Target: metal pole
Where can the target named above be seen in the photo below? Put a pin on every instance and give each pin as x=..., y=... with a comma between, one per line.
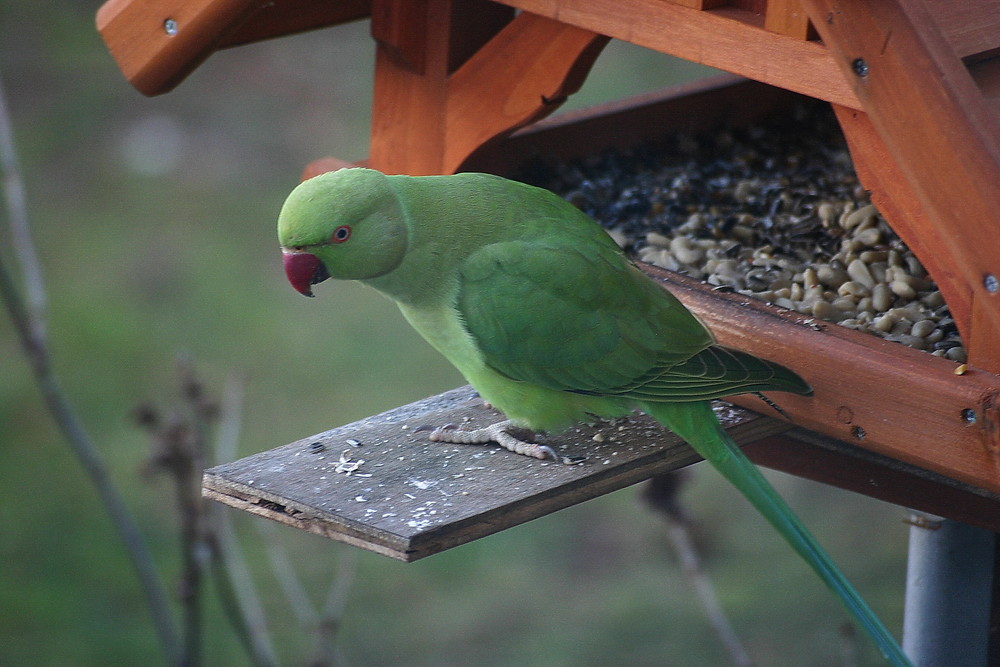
x=949, y=579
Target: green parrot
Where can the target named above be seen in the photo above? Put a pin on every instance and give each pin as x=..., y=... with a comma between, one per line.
x=545, y=316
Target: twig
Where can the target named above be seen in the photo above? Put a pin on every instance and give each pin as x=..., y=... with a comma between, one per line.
x=237, y=593
x=333, y=611
x=233, y=581
x=17, y=211
x=662, y=495
x=325, y=622
x=29, y=322
x=179, y=450
x=207, y=539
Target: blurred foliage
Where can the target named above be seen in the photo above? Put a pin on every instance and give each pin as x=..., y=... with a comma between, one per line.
x=154, y=219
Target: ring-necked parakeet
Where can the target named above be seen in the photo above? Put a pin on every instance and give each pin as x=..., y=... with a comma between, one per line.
x=545, y=317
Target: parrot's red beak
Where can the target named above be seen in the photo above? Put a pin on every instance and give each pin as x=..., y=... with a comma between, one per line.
x=304, y=271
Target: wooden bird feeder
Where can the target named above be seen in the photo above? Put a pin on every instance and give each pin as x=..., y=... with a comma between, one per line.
x=462, y=84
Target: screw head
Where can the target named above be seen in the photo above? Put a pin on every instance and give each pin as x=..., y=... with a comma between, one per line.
x=170, y=27
x=969, y=416
x=991, y=283
x=860, y=66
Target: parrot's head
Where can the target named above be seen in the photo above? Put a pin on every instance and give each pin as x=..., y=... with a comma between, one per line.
x=344, y=224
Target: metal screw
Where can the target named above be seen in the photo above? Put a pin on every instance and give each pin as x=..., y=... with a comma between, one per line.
x=991, y=283
x=858, y=433
x=170, y=27
x=860, y=66
x=969, y=415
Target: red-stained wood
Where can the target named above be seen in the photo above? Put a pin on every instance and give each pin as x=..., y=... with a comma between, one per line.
x=986, y=74
x=155, y=60
x=524, y=74
x=694, y=107
x=972, y=27
x=891, y=193
x=885, y=397
x=941, y=134
x=413, y=62
x=786, y=17
x=728, y=38
x=277, y=18
x=806, y=454
x=429, y=112
x=699, y=4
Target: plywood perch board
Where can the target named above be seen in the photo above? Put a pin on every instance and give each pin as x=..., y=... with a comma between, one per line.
x=381, y=485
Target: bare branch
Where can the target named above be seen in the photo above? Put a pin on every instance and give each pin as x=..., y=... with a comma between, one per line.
x=17, y=211
x=662, y=494
x=235, y=586
x=29, y=322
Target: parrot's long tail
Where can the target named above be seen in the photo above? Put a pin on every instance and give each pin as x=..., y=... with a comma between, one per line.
x=697, y=424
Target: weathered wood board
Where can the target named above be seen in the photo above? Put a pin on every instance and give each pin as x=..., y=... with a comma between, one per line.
x=382, y=485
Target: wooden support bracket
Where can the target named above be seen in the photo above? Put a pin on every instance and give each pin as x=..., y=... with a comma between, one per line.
x=890, y=399
x=944, y=140
x=729, y=38
x=157, y=43
x=432, y=109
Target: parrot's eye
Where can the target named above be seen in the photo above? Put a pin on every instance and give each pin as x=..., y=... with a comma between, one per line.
x=341, y=234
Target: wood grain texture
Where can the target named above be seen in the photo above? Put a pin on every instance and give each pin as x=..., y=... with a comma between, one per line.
x=812, y=456
x=427, y=117
x=728, y=38
x=152, y=59
x=525, y=73
x=278, y=18
x=972, y=27
x=155, y=62
x=786, y=17
x=411, y=498
x=890, y=399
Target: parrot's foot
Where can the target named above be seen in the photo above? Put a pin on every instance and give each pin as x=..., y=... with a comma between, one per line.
x=500, y=433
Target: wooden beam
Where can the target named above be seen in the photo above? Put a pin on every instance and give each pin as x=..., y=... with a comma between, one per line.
x=524, y=74
x=728, y=38
x=278, y=18
x=972, y=27
x=157, y=43
x=694, y=107
x=899, y=402
x=786, y=17
x=812, y=456
x=430, y=112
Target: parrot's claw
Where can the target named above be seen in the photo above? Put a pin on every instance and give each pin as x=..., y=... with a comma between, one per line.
x=499, y=433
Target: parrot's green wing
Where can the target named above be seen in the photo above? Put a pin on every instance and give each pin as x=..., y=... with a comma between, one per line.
x=580, y=317
x=715, y=372
x=574, y=317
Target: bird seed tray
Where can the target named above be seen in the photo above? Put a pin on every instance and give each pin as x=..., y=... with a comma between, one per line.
x=382, y=485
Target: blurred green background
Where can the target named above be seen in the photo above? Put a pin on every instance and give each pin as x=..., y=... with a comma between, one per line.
x=154, y=219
